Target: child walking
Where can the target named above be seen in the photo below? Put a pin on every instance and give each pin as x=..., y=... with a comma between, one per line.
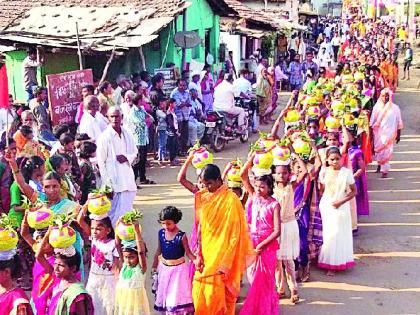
x=172, y=132
x=104, y=262
x=68, y=295
x=130, y=294
x=173, y=294
x=162, y=126
x=263, y=216
x=338, y=188
x=289, y=236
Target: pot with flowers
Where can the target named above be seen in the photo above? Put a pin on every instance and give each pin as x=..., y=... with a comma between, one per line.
x=302, y=144
x=267, y=141
x=98, y=202
x=8, y=236
x=281, y=152
x=125, y=226
x=333, y=123
x=62, y=235
x=234, y=174
x=263, y=159
x=39, y=215
x=202, y=156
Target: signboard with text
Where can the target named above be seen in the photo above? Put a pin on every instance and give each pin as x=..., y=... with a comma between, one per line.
x=64, y=94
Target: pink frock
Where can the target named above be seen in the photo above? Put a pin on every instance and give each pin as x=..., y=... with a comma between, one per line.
x=262, y=297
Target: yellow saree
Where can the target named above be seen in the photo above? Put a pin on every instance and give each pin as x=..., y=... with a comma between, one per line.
x=225, y=245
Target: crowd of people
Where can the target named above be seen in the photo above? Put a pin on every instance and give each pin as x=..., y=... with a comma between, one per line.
x=302, y=188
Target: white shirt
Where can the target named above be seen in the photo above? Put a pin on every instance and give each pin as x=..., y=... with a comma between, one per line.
x=197, y=87
x=327, y=31
x=280, y=75
x=91, y=125
x=119, y=176
x=242, y=85
x=6, y=120
x=117, y=97
x=327, y=46
x=125, y=108
x=224, y=96
x=335, y=41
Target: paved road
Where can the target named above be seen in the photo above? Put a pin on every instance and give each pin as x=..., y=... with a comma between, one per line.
x=386, y=279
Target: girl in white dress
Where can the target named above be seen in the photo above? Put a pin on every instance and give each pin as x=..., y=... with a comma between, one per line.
x=289, y=237
x=338, y=188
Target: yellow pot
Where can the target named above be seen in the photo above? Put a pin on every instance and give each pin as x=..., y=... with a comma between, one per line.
x=201, y=158
x=126, y=231
x=40, y=218
x=99, y=204
x=62, y=237
x=263, y=159
x=8, y=239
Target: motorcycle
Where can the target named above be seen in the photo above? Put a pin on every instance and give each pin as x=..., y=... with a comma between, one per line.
x=222, y=127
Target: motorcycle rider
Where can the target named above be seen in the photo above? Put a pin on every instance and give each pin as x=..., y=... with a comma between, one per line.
x=242, y=86
x=224, y=100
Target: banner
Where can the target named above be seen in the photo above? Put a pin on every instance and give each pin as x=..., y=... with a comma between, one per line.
x=4, y=87
x=64, y=94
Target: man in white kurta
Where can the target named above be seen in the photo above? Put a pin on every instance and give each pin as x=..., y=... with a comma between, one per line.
x=91, y=124
x=115, y=153
x=386, y=124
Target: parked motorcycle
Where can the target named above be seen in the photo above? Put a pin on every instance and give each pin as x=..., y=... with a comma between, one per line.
x=222, y=127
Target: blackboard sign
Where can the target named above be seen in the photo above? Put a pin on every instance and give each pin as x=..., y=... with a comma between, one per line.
x=64, y=94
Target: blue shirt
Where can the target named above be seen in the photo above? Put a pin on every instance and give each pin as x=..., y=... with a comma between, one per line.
x=138, y=121
x=295, y=70
x=182, y=114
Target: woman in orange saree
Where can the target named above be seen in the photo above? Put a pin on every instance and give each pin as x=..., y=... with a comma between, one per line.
x=224, y=246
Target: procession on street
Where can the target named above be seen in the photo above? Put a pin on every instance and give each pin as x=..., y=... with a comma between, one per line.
x=76, y=148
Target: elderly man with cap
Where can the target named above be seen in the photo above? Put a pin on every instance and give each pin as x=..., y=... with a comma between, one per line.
x=195, y=84
x=116, y=152
x=224, y=100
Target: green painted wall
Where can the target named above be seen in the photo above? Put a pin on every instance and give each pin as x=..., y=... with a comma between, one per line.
x=55, y=63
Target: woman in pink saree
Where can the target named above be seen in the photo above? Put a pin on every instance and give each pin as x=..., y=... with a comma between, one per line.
x=263, y=216
x=386, y=123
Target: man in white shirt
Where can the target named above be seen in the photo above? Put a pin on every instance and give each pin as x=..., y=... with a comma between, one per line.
x=116, y=152
x=30, y=64
x=224, y=100
x=335, y=42
x=195, y=84
x=126, y=106
x=91, y=124
x=242, y=86
x=327, y=31
x=7, y=116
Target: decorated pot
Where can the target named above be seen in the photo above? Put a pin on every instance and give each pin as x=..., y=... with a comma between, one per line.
x=332, y=123
x=126, y=231
x=281, y=153
x=292, y=116
x=201, y=158
x=263, y=159
x=349, y=119
x=40, y=218
x=337, y=105
x=99, y=204
x=8, y=239
x=359, y=76
x=313, y=111
x=62, y=237
x=353, y=103
x=234, y=174
x=301, y=147
x=268, y=142
x=347, y=78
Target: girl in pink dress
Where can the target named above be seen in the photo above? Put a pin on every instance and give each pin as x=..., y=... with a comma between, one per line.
x=13, y=300
x=263, y=216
